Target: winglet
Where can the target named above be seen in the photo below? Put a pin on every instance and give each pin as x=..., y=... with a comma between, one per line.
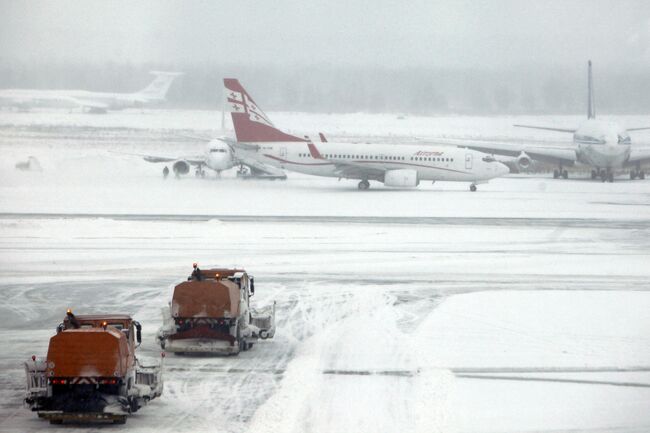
x=322, y=137
x=314, y=152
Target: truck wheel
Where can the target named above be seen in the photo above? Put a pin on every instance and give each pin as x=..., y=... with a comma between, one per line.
x=120, y=421
x=56, y=421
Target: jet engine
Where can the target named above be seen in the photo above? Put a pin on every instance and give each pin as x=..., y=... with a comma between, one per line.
x=181, y=167
x=401, y=178
x=523, y=161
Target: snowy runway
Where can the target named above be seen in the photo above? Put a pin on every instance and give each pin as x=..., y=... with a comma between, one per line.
x=522, y=307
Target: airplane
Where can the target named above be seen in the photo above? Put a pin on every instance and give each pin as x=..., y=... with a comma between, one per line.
x=401, y=166
x=218, y=156
x=604, y=146
x=95, y=102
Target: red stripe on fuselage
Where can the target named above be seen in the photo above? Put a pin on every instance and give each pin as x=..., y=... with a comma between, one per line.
x=365, y=162
x=296, y=163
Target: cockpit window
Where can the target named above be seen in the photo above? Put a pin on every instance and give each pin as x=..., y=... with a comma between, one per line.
x=624, y=139
x=586, y=139
x=218, y=150
x=489, y=158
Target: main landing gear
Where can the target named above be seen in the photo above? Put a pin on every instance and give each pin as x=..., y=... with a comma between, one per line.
x=637, y=173
x=472, y=187
x=363, y=185
x=199, y=172
x=560, y=173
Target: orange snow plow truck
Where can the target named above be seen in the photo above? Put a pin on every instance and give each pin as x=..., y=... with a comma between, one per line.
x=91, y=372
x=211, y=313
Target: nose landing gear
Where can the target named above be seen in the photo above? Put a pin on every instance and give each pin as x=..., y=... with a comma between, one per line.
x=607, y=175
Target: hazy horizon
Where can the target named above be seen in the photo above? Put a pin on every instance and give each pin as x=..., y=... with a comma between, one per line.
x=443, y=57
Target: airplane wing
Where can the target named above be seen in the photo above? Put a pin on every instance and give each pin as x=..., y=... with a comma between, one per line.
x=192, y=160
x=546, y=128
x=565, y=155
x=95, y=105
x=639, y=155
x=259, y=169
x=349, y=169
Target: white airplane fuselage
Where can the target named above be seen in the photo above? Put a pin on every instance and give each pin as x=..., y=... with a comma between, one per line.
x=114, y=101
x=603, y=145
x=95, y=101
x=431, y=163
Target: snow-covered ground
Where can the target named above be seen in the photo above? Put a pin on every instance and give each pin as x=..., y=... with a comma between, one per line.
x=521, y=307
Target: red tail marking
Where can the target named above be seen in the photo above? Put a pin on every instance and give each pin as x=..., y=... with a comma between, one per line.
x=314, y=152
x=251, y=125
x=322, y=137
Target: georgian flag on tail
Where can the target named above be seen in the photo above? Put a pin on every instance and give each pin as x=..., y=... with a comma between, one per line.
x=241, y=102
x=250, y=123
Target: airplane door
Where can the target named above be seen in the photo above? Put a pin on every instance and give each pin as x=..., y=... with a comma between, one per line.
x=283, y=152
x=468, y=161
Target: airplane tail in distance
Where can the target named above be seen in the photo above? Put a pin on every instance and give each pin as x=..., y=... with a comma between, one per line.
x=158, y=88
x=248, y=119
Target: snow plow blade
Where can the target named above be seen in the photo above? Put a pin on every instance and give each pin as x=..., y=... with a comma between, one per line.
x=263, y=322
x=202, y=345
x=82, y=417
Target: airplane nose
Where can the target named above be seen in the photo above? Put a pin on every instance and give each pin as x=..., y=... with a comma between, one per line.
x=218, y=161
x=502, y=169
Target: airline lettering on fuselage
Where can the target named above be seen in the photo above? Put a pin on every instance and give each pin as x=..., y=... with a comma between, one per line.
x=423, y=153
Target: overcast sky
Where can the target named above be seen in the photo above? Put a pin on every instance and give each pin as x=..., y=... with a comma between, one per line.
x=401, y=33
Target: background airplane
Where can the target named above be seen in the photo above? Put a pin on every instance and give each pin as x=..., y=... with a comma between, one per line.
x=602, y=145
x=95, y=102
x=218, y=156
x=393, y=165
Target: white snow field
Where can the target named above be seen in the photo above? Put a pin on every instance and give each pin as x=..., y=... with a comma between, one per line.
x=522, y=307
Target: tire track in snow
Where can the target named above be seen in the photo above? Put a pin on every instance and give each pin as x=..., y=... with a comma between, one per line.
x=375, y=334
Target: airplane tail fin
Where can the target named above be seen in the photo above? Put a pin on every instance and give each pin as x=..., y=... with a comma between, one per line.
x=158, y=88
x=591, y=102
x=248, y=119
